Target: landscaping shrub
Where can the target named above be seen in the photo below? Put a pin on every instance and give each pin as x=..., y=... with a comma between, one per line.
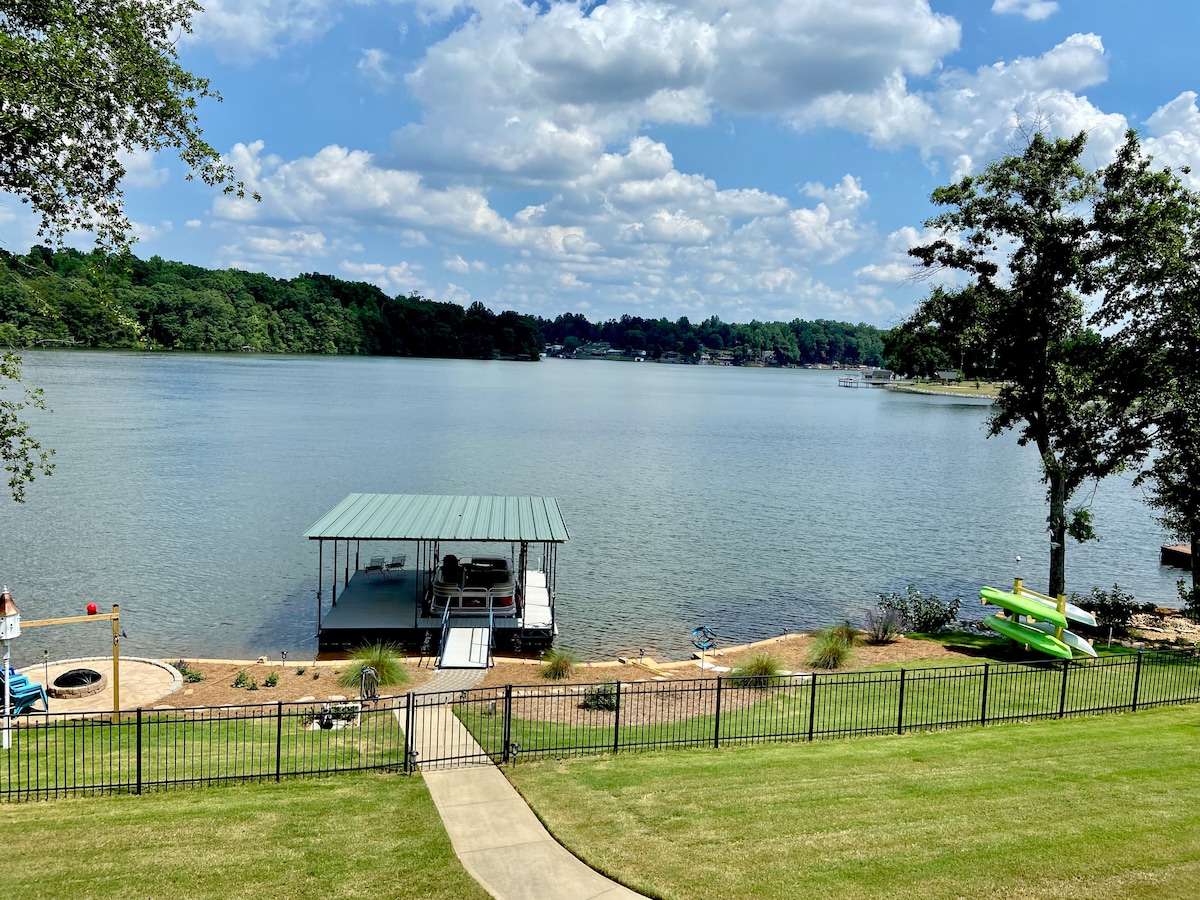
x=829, y=649
x=558, y=665
x=846, y=633
x=602, y=697
x=920, y=613
x=271, y=680
x=241, y=679
x=1112, y=609
x=760, y=671
x=883, y=626
x=190, y=675
x=386, y=659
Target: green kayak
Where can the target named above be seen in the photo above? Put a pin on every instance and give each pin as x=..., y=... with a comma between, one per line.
x=1023, y=634
x=1023, y=606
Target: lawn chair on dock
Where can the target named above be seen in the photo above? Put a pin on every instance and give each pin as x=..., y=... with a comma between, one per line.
x=397, y=563
x=375, y=565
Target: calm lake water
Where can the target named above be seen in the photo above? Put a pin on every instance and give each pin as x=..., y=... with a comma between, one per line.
x=751, y=500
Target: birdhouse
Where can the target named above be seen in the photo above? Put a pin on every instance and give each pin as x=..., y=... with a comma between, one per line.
x=10, y=617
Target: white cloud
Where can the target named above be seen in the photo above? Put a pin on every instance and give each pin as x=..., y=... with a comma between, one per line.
x=463, y=267
x=140, y=170
x=1174, y=136
x=373, y=65
x=973, y=117
x=1034, y=10
x=193, y=223
x=397, y=278
x=146, y=232
x=244, y=31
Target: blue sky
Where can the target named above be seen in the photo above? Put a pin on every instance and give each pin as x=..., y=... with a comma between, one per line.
x=769, y=159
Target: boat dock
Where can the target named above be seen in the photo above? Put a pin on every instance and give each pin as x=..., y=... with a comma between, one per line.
x=1177, y=555
x=414, y=600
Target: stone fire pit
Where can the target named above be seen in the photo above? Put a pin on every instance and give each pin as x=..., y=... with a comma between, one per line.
x=77, y=683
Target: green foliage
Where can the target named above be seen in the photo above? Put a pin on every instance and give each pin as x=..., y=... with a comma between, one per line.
x=300, y=670
x=271, y=680
x=602, y=697
x=884, y=626
x=558, y=664
x=1113, y=609
x=830, y=649
x=1025, y=234
x=386, y=659
x=920, y=613
x=760, y=671
x=190, y=675
x=23, y=456
x=253, y=685
x=93, y=300
x=241, y=680
x=85, y=81
x=847, y=633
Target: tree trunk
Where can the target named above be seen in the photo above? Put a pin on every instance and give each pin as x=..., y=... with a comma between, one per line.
x=1194, y=605
x=1058, y=533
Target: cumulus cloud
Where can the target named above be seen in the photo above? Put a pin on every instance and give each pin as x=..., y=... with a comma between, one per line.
x=1174, y=135
x=397, y=278
x=565, y=81
x=140, y=170
x=243, y=31
x=972, y=117
x=1034, y=10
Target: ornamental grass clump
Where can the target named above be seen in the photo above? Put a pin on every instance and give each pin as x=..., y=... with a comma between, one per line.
x=883, y=626
x=830, y=649
x=760, y=671
x=558, y=665
x=386, y=659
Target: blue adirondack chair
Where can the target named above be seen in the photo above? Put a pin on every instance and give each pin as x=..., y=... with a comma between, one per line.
x=23, y=694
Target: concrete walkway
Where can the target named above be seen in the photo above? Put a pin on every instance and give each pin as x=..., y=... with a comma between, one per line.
x=496, y=835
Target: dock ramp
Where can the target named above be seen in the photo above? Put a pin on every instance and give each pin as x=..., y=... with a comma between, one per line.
x=467, y=646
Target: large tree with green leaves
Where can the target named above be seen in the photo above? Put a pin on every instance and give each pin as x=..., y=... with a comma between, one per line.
x=1024, y=235
x=83, y=81
x=1151, y=282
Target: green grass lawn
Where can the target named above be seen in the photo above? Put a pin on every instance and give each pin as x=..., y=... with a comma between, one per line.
x=1102, y=806
x=352, y=836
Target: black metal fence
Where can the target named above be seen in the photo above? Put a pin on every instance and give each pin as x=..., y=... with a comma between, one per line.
x=54, y=755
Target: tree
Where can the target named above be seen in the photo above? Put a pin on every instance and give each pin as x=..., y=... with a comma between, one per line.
x=1152, y=300
x=23, y=456
x=83, y=81
x=1023, y=233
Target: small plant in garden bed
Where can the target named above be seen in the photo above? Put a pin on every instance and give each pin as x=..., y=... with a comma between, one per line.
x=558, y=665
x=271, y=680
x=883, y=626
x=602, y=697
x=386, y=659
x=829, y=649
x=241, y=679
x=190, y=675
x=253, y=685
x=920, y=613
x=300, y=670
x=760, y=671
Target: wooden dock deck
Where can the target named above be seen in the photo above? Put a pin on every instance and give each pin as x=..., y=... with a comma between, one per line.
x=1177, y=555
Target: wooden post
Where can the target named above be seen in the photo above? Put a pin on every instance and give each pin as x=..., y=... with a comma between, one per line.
x=116, y=623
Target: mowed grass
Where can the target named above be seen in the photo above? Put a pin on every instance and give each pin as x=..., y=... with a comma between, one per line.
x=1102, y=806
x=353, y=836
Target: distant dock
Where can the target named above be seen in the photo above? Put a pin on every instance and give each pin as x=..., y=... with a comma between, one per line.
x=1177, y=555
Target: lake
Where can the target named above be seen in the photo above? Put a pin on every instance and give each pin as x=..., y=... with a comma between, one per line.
x=750, y=500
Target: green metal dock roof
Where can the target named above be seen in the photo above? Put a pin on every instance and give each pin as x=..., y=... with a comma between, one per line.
x=423, y=517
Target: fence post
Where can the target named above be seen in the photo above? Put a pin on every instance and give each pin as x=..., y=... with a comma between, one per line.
x=279, y=737
x=900, y=705
x=139, y=750
x=717, y=723
x=409, y=743
x=983, y=705
x=1137, y=679
x=617, y=721
x=1062, y=695
x=507, y=721
x=812, y=704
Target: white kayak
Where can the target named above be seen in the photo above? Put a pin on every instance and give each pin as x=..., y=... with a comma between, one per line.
x=1072, y=612
x=1072, y=640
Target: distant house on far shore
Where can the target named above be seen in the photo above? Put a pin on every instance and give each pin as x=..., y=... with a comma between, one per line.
x=952, y=375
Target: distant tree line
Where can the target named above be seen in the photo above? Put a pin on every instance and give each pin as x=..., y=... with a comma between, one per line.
x=96, y=300
x=796, y=342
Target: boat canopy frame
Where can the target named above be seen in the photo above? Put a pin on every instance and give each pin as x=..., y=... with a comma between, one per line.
x=429, y=519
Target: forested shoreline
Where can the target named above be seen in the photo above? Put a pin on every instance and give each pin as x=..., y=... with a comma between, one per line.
x=69, y=298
